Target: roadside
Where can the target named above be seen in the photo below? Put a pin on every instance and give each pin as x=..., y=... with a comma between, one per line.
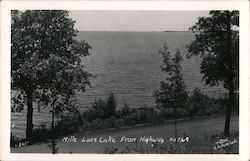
x=192, y=128
x=171, y=121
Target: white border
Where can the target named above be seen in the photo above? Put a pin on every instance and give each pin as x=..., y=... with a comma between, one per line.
x=6, y=6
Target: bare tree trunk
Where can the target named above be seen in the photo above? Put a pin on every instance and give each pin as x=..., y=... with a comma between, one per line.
x=230, y=77
x=29, y=123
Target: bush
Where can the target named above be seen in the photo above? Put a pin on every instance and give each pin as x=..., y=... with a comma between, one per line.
x=130, y=120
x=147, y=115
x=124, y=111
x=16, y=141
x=69, y=122
x=200, y=104
x=101, y=109
x=128, y=117
x=166, y=113
x=67, y=126
x=41, y=134
x=169, y=114
x=110, y=106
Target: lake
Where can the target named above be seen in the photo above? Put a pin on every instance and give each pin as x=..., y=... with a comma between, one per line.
x=128, y=65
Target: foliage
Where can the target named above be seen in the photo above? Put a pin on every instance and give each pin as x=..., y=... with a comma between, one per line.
x=211, y=44
x=200, y=104
x=41, y=134
x=16, y=141
x=110, y=105
x=45, y=61
x=74, y=121
x=218, y=45
x=102, y=109
x=133, y=117
x=124, y=111
x=69, y=122
x=172, y=93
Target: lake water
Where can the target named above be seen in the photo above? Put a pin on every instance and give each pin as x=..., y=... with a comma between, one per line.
x=127, y=64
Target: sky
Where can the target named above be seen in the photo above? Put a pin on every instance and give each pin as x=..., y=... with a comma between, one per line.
x=135, y=20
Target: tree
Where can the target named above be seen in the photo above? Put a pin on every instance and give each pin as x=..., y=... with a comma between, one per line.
x=218, y=45
x=172, y=93
x=103, y=109
x=110, y=105
x=45, y=62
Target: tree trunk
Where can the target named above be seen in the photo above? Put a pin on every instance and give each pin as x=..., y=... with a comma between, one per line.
x=175, y=127
x=29, y=123
x=53, y=130
x=228, y=112
x=230, y=77
x=54, y=150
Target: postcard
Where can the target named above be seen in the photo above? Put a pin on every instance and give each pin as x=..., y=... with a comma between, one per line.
x=125, y=80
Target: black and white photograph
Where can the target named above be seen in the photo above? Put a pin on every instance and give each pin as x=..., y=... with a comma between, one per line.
x=124, y=81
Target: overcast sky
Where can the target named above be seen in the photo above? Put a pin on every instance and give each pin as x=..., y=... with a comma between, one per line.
x=135, y=20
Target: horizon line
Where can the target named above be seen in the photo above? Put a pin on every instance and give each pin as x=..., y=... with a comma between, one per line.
x=133, y=31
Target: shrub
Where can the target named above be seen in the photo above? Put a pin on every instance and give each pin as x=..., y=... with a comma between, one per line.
x=166, y=113
x=41, y=134
x=124, y=117
x=69, y=122
x=16, y=141
x=98, y=110
x=101, y=109
x=124, y=111
x=110, y=106
x=200, y=104
x=147, y=115
x=118, y=123
x=67, y=126
x=130, y=120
